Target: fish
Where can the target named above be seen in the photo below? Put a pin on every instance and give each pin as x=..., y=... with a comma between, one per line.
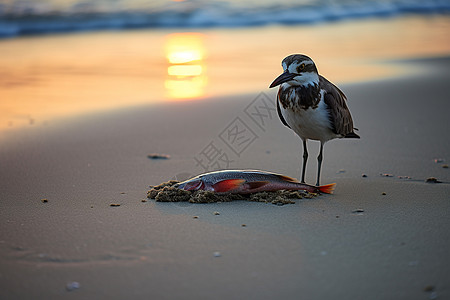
x=247, y=182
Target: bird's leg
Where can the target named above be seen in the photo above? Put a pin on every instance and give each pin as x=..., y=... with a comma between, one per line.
x=305, y=159
x=319, y=163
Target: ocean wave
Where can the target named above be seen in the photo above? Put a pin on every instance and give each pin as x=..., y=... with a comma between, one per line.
x=45, y=19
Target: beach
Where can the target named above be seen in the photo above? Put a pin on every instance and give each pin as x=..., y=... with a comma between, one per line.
x=383, y=234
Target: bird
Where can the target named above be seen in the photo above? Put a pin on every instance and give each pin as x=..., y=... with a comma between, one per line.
x=310, y=105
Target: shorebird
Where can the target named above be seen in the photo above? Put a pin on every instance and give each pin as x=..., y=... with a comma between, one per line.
x=310, y=105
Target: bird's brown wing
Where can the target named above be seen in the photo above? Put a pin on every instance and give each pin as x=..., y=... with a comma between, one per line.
x=279, y=113
x=335, y=100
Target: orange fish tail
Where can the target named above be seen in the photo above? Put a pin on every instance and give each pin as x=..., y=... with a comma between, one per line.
x=328, y=188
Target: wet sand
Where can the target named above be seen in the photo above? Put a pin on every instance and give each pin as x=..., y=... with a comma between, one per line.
x=64, y=76
x=76, y=162
x=377, y=237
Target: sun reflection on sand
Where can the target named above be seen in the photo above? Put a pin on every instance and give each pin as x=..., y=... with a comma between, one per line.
x=186, y=77
x=59, y=77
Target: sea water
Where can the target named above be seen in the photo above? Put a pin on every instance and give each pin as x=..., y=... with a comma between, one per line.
x=27, y=17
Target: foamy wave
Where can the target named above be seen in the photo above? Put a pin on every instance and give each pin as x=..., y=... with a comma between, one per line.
x=23, y=19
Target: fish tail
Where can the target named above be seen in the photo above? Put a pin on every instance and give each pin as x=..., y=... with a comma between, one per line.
x=328, y=188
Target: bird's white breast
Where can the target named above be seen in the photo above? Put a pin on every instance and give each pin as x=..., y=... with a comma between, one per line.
x=310, y=123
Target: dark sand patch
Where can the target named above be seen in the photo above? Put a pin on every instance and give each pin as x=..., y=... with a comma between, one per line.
x=432, y=180
x=166, y=192
x=158, y=156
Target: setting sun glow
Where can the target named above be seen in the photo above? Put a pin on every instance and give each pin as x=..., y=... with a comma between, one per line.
x=180, y=57
x=186, y=71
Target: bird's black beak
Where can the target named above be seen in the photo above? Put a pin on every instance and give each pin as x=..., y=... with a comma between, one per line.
x=286, y=76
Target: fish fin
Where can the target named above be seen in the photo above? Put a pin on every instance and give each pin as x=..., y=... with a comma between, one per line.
x=328, y=188
x=227, y=185
x=287, y=178
x=256, y=184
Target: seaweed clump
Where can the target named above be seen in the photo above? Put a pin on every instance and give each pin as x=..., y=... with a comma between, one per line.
x=167, y=192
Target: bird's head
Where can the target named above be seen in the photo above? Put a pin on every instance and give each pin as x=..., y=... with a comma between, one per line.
x=299, y=70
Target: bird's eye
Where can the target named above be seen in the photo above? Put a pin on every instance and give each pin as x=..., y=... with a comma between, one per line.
x=301, y=67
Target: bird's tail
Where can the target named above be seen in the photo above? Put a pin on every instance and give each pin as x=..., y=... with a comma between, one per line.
x=351, y=135
x=328, y=188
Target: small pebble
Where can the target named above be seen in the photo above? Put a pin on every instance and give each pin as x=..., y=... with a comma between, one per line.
x=143, y=200
x=71, y=286
x=217, y=254
x=158, y=156
x=44, y=200
x=337, y=217
x=244, y=225
x=195, y=217
x=216, y=213
x=383, y=193
x=114, y=205
x=432, y=180
x=445, y=166
x=386, y=175
x=358, y=210
x=364, y=175
x=429, y=288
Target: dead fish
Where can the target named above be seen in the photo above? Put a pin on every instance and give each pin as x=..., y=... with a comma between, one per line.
x=247, y=182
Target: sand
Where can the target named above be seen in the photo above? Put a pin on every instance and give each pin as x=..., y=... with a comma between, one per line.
x=376, y=237
x=62, y=76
